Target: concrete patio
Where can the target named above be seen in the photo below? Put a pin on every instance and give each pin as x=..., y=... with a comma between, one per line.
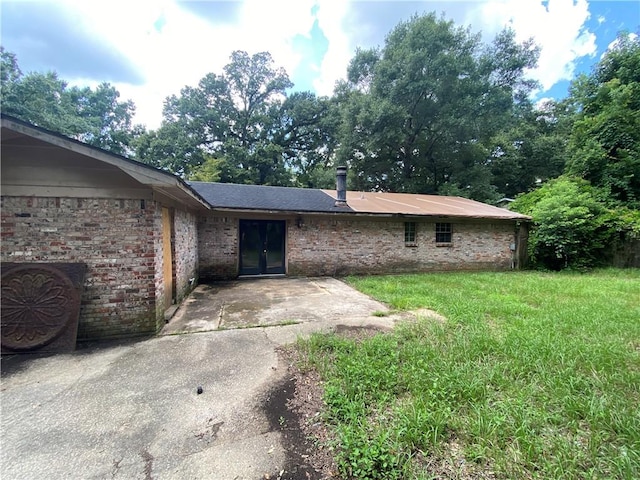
x=130, y=409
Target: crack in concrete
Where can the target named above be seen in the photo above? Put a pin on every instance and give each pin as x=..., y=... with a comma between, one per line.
x=148, y=464
x=116, y=467
x=220, y=315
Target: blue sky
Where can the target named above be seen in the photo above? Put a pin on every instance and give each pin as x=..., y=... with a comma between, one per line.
x=150, y=49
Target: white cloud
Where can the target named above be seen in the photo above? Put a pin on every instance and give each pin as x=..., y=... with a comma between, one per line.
x=168, y=59
x=559, y=29
x=331, y=18
x=271, y=26
x=187, y=46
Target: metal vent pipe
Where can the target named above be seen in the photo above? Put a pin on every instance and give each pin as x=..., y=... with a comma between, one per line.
x=341, y=186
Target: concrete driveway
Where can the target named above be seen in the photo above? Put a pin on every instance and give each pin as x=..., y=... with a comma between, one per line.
x=319, y=302
x=131, y=409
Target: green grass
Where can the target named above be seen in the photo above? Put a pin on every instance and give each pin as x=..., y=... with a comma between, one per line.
x=533, y=375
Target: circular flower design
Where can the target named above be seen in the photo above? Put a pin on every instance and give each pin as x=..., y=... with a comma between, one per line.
x=35, y=306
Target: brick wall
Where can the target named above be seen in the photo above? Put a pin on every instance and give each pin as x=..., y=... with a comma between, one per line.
x=185, y=252
x=334, y=247
x=158, y=262
x=118, y=240
x=218, y=247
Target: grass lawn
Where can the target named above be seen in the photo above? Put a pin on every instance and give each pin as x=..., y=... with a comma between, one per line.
x=532, y=375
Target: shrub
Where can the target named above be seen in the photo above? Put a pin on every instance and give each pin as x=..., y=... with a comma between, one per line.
x=573, y=225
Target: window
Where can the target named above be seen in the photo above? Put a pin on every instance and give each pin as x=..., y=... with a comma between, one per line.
x=410, y=233
x=443, y=233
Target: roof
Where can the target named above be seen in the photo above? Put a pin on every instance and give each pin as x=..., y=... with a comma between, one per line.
x=425, y=205
x=261, y=197
x=229, y=196
x=18, y=133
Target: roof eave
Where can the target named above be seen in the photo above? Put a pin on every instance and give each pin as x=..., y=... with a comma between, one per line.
x=164, y=182
x=215, y=209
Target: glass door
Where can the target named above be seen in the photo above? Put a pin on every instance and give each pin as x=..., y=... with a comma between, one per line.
x=262, y=247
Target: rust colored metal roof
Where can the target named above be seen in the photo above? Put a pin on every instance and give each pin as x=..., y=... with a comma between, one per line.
x=424, y=205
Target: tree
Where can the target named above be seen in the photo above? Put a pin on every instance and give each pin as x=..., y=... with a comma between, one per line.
x=10, y=72
x=244, y=119
x=96, y=117
x=567, y=224
x=419, y=114
x=235, y=116
x=572, y=225
x=605, y=139
x=533, y=149
x=308, y=126
x=107, y=120
x=172, y=147
x=209, y=171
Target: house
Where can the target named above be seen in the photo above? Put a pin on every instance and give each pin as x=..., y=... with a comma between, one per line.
x=253, y=230
x=146, y=236
x=134, y=226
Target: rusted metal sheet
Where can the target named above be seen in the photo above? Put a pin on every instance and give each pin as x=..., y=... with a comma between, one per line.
x=40, y=306
x=424, y=205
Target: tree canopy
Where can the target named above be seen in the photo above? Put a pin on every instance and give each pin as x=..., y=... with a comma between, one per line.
x=605, y=138
x=420, y=114
x=96, y=117
x=244, y=118
x=584, y=216
x=433, y=110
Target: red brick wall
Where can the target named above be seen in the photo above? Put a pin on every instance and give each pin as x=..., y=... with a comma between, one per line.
x=332, y=246
x=118, y=239
x=325, y=246
x=218, y=247
x=158, y=263
x=185, y=252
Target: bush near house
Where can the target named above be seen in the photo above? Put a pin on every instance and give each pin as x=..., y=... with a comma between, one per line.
x=575, y=225
x=531, y=375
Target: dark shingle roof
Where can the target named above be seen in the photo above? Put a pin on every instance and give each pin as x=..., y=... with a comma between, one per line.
x=261, y=197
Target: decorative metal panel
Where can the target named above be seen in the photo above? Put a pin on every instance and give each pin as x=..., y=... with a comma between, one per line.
x=40, y=306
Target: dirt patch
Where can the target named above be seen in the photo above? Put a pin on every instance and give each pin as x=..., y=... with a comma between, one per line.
x=288, y=406
x=295, y=407
x=427, y=313
x=450, y=463
x=359, y=332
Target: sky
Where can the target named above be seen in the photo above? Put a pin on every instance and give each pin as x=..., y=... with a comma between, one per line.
x=150, y=49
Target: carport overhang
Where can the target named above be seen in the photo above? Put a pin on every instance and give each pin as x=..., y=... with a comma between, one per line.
x=18, y=135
